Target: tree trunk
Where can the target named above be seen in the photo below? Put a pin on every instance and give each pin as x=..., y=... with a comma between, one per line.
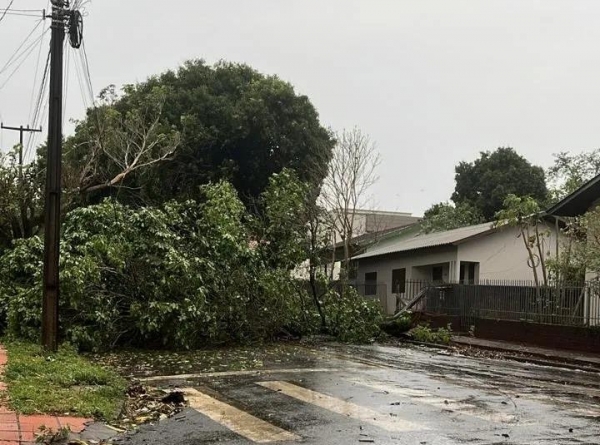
x=541, y=253
x=315, y=293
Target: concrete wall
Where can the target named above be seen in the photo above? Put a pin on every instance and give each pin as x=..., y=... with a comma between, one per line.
x=411, y=261
x=502, y=254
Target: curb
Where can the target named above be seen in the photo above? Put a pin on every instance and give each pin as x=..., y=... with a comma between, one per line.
x=533, y=357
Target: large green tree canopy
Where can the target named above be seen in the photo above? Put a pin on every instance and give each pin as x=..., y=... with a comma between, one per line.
x=485, y=183
x=234, y=123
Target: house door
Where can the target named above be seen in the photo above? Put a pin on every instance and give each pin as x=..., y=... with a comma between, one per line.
x=398, y=281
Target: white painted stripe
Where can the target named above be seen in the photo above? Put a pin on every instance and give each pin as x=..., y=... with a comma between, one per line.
x=234, y=373
x=394, y=424
x=439, y=402
x=236, y=420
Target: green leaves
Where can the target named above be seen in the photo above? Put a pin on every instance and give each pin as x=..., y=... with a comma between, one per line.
x=235, y=124
x=181, y=276
x=519, y=211
x=445, y=216
x=485, y=183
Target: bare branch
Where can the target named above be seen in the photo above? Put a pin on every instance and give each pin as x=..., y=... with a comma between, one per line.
x=352, y=172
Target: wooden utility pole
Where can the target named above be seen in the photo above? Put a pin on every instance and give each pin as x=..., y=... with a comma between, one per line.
x=62, y=18
x=53, y=181
x=21, y=131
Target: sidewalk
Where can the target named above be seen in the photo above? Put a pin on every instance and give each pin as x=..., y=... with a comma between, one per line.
x=559, y=355
x=16, y=429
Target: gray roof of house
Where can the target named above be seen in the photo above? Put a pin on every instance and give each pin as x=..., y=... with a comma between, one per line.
x=445, y=238
x=578, y=202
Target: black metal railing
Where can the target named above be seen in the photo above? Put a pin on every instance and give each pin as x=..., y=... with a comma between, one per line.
x=559, y=303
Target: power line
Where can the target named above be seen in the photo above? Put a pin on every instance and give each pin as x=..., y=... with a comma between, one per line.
x=23, y=43
x=6, y=10
x=87, y=73
x=39, y=111
x=24, y=56
x=25, y=14
x=66, y=81
x=35, y=78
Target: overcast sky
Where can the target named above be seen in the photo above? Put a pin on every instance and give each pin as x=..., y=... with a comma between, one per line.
x=432, y=82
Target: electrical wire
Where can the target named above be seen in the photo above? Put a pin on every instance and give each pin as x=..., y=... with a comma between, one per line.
x=40, y=108
x=25, y=55
x=23, y=43
x=79, y=71
x=35, y=78
x=87, y=72
x=6, y=11
x=26, y=14
x=67, y=70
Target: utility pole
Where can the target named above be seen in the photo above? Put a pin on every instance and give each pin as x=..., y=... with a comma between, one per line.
x=23, y=225
x=62, y=18
x=21, y=131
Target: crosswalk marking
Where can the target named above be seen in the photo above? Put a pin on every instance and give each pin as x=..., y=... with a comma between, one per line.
x=344, y=408
x=236, y=420
x=438, y=402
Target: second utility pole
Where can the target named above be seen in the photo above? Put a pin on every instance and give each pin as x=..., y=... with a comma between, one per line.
x=24, y=226
x=53, y=181
x=21, y=130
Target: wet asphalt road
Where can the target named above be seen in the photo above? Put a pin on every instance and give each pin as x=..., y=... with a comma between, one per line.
x=343, y=395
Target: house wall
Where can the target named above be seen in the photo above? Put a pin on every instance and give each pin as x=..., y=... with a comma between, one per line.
x=411, y=261
x=502, y=254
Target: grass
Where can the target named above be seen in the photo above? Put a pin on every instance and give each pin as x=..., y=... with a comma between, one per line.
x=64, y=383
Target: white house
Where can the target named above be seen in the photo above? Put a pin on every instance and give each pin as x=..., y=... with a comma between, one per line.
x=369, y=226
x=466, y=255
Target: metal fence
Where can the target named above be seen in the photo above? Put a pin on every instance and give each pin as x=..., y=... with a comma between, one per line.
x=373, y=291
x=567, y=304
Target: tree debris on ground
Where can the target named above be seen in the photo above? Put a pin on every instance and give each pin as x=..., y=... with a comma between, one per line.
x=147, y=405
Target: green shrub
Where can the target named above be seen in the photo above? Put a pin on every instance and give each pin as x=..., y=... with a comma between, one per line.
x=425, y=334
x=398, y=326
x=352, y=318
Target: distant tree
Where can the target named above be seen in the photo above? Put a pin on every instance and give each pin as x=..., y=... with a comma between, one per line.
x=235, y=124
x=346, y=187
x=571, y=171
x=445, y=216
x=485, y=183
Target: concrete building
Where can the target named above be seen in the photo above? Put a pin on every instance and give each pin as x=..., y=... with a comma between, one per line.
x=467, y=255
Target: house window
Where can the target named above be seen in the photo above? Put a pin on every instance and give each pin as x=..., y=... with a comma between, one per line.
x=437, y=274
x=352, y=270
x=467, y=273
x=399, y=281
x=371, y=283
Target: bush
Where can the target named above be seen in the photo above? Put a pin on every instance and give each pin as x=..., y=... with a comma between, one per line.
x=352, y=318
x=425, y=334
x=398, y=326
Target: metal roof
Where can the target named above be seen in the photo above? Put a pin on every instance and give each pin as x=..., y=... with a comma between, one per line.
x=578, y=202
x=422, y=241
